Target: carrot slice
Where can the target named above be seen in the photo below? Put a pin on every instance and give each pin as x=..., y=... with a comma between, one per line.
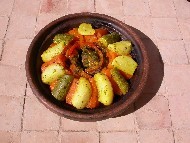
x=59, y=59
x=111, y=56
x=116, y=88
x=80, y=37
x=72, y=50
x=53, y=84
x=93, y=103
x=71, y=91
x=90, y=38
x=100, y=32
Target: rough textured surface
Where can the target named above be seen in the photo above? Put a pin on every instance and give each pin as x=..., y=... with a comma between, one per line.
x=162, y=119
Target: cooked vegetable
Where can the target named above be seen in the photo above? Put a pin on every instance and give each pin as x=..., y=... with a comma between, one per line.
x=125, y=64
x=65, y=38
x=62, y=87
x=116, y=88
x=105, y=90
x=86, y=29
x=122, y=47
x=85, y=67
x=71, y=91
x=82, y=94
x=52, y=73
x=52, y=52
x=59, y=59
x=120, y=80
x=93, y=103
x=53, y=84
x=111, y=56
x=90, y=57
x=109, y=39
x=101, y=32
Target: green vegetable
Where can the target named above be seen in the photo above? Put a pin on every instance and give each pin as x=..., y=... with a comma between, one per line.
x=62, y=87
x=86, y=29
x=90, y=57
x=125, y=64
x=122, y=47
x=120, y=80
x=109, y=39
x=52, y=73
x=105, y=90
x=52, y=52
x=82, y=94
x=65, y=38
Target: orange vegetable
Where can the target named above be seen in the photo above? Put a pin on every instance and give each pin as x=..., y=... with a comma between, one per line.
x=100, y=32
x=80, y=37
x=71, y=91
x=111, y=56
x=59, y=59
x=90, y=38
x=116, y=88
x=127, y=76
x=72, y=50
x=53, y=84
x=93, y=103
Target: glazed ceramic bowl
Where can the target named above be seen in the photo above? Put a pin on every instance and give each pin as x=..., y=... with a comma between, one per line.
x=44, y=38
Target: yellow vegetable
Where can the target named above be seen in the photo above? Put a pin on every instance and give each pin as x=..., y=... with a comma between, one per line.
x=52, y=52
x=105, y=90
x=52, y=73
x=121, y=48
x=125, y=64
x=82, y=94
x=86, y=29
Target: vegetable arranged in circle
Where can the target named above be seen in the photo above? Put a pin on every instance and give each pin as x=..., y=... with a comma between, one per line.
x=88, y=67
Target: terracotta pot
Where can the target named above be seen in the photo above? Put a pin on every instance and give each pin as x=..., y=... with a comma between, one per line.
x=44, y=38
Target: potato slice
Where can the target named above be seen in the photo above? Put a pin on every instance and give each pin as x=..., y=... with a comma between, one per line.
x=121, y=48
x=125, y=64
x=82, y=94
x=52, y=73
x=52, y=52
x=86, y=29
x=105, y=90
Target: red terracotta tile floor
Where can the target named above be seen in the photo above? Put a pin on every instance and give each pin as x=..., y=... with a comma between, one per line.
x=164, y=119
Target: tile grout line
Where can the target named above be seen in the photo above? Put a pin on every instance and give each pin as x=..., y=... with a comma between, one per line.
x=3, y=44
x=37, y=15
x=59, y=130
x=67, y=7
x=152, y=25
x=99, y=137
x=94, y=5
x=171, y=120
x=137, y=127
x=178, y=24
x=8, y=23
x=23, y=107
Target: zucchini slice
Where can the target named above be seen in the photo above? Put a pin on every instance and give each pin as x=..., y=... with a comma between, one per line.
x=109, y=39
x=62, y=87
x=120, y=80
x=65, y=38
